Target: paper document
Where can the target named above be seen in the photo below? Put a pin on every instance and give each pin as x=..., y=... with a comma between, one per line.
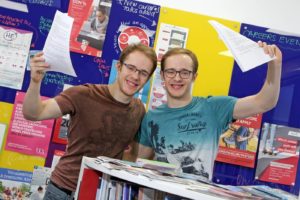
x=2, y=133
x=14, y=48
x=14, y=5
x=246, y=52
x=57, y=49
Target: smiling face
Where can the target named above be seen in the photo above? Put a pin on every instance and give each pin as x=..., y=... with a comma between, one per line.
x=179, y=88
x=130, y=81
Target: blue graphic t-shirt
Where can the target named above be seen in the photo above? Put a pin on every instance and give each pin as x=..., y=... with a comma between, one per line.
x=188, y=137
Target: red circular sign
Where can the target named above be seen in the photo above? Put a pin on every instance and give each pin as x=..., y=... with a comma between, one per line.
x=132, y=35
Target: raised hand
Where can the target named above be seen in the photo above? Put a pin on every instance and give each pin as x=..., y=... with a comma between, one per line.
x=38, y=67
x=272, y=50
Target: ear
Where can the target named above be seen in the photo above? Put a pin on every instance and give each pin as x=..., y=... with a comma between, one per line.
x=162, y=75
x=118, y=66
x=195, y=76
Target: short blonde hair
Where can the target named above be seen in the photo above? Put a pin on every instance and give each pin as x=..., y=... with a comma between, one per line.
x=147, y=51
x=176, y=51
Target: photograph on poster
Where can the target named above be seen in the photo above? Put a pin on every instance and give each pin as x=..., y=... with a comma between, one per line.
x=93, y=29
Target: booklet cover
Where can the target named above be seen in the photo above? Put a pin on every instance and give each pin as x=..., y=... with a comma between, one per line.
x=238, y=144
x=278, y=154
x=15, y=184
x=40, y=180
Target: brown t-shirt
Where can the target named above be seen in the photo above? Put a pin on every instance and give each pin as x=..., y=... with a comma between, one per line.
x=100, y=126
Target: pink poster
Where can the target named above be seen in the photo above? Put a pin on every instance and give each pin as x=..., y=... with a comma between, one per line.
x=28, y=137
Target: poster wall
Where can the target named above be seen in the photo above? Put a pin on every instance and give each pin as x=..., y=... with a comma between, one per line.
x=132, y=21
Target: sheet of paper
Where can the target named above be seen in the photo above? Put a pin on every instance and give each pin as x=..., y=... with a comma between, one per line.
x=170, y=36
x=246, y=52
x=2, y=133
x=57, y=49
x=14, y=5
x=14, y=48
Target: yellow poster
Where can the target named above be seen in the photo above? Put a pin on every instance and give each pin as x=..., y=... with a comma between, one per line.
x=13, y=160
x=215, y=68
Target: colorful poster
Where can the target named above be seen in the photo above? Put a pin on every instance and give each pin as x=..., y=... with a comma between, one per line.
x=91, y=18
x=238, y=144
x=278, y=154
x=39, y=182
x=170, y=36
x=132, y=22
x=60, y=132
x=14, y=48
x=28, y=137
x=158, y=95
x=15, y=184
x=142, y=94
x=14, y=160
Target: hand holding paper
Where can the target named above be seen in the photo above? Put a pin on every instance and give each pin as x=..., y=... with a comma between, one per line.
x=246, y=52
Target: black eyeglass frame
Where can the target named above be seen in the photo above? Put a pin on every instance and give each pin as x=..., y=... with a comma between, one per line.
x=142, y=73
x=180, y=72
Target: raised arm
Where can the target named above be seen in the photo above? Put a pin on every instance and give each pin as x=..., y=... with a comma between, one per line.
x=267, y=97
x=33, y=107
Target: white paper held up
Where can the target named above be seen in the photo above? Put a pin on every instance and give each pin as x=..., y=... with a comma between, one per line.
x=246, y=52
x=57, y=48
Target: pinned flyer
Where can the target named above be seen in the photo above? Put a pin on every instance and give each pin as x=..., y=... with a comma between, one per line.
x=57, y=49
x=246, y=52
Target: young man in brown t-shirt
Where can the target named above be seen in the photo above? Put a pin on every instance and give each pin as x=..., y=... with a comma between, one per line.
x=104, y=118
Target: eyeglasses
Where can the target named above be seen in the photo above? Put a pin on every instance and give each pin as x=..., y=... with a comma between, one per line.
x=142, y=73
x=184, y=74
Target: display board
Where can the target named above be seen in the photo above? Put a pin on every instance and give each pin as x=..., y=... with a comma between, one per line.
x=131, y=21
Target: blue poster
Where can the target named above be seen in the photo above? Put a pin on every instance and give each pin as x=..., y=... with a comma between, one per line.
x=130, y=22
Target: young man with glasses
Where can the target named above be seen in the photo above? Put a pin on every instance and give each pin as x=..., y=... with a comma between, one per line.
x=104, y=118
x=186, y=130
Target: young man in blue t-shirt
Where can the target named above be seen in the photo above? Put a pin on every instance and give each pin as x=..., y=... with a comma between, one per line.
x=186, y=130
